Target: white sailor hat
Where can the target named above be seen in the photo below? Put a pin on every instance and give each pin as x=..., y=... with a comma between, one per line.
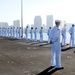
x=57, y=20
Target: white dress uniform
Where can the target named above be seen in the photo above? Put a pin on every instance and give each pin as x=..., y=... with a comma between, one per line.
x=41, y=35
x=0, y=31
x=8, y=32
x=5, y=32
x=63, y=32
x=48, y=33
x=71, y=31
x=56, y=47
x=17, y=32
x=26, y=33
x=31, y=34
x=35, y=34
x=12, y=32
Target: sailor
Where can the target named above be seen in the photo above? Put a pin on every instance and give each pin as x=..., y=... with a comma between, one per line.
x=48, y=33
x=8, y=30
x=31, y=34
x=71, y=31
x=35, y=34
x=20, y=33
x=41, y=34
x=13, y=32
x=63, y=32
x=56, y=47
x=26, y=32
x=17, y=32
x=0, y=31
x=5, y=32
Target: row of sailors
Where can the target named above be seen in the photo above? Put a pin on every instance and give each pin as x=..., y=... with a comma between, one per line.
x=63, y=33
x=10, y=32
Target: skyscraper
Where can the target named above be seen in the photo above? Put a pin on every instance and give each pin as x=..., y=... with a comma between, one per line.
x=16, y=23
x=49, y=21
x=38, y=22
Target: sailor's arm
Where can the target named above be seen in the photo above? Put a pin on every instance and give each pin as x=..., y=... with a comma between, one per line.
x=55, y=38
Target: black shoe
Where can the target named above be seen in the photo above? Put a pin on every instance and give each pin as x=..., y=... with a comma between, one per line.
x=60, y=68
x=52, y=66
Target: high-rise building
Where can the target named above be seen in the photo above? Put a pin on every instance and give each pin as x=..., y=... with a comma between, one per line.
x=49, y=21
x=38, y=22
x=3, y=24
x=16, y=23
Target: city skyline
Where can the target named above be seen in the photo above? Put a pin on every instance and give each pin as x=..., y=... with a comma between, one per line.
x=36, y=21
x=10, y=10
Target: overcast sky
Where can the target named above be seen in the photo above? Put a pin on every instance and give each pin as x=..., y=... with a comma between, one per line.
x=61, y=9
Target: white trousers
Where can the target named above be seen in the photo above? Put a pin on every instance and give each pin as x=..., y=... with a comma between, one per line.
x=31, y=36
x=72, y=41
x=63, y=40
x=35, y=37
x=26, y=36
x=56, y=57
x=48, y=39
x=41, y=38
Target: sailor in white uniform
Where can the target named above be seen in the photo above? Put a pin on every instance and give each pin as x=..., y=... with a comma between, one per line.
x=14, y=32
x=17, y=32
x=11, y=32
x=31, y=34
x=71, y=31
x=5, y=32
x=8, y=32
x=63, y=32
x=48, y=33
x=41, y=34
x=26, y=32
x=35, y=34
x=0, y=31
x=56, y=47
